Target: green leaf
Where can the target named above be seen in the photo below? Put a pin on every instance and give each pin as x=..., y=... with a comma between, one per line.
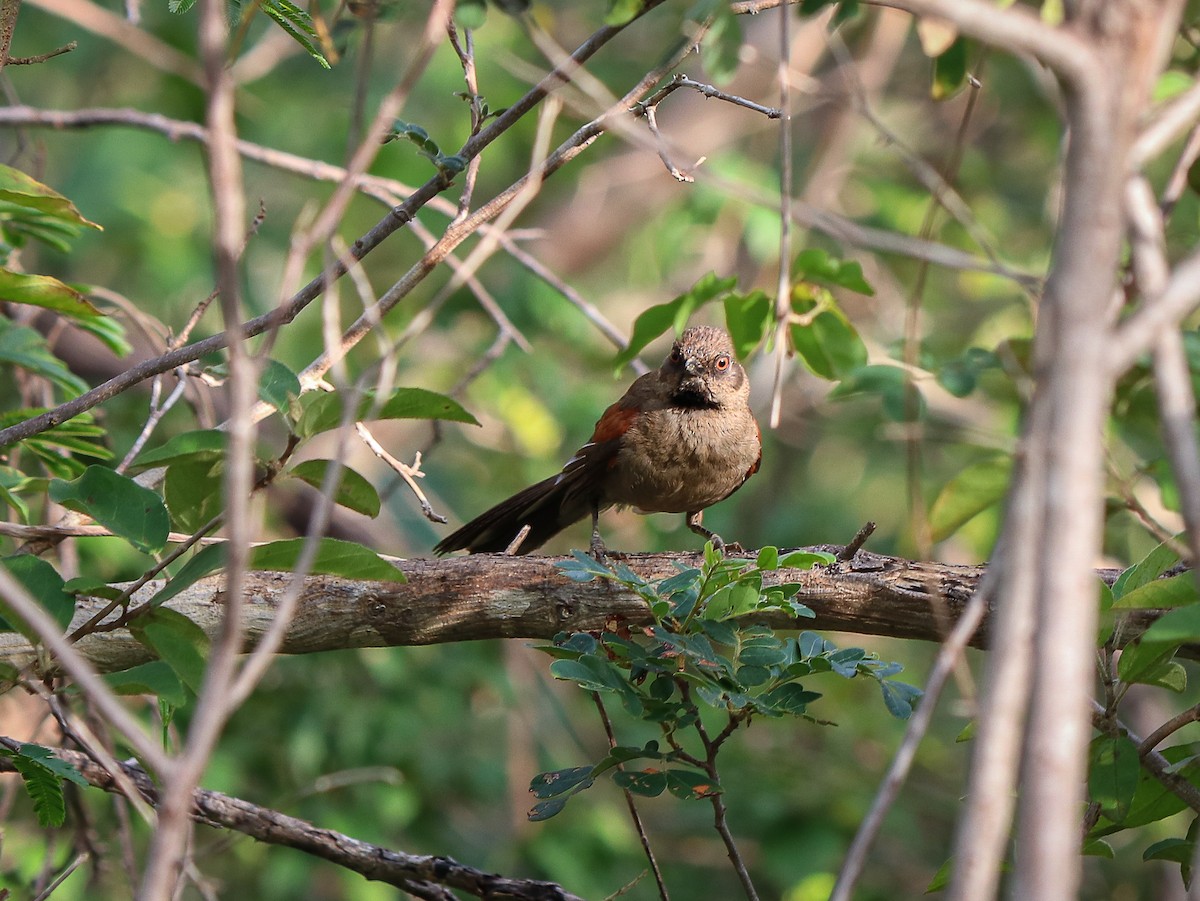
x=193, y=490
x=43, y=786
x=353, y=491
x=298, y=24
x=46, y=292
x=649, y=783
x=199, y=565
x=19, y=189
x=950, y=70
x=899, y=698
x=1097, y=847
x=204, y=444
x=470, y=13
x=1148, y=569
x=43, y=582
x=733, y=600
x=748, y=317
x=788, y=698
x=1143, y=659
x=46, y=758
x=1176, y=591
x=279, y=387
x=891, y=384
x=807, y=560
x=544, y=810
x=324, y=411
x=334, y=558
x=153, y=678
x=691, y=785
x=119, y=504
x=816, y=266
x=1113, y=775
x=722, y=46
x=768, y=558
x=673, y=314
x=976, y=488
x=557, y=782
x=27, y=349
x=829, y=345
x=622, y=11
x=1178, y=626
x=1175, y=850
x=177, y=640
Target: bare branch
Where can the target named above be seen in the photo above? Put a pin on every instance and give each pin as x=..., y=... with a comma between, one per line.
x=417, y=874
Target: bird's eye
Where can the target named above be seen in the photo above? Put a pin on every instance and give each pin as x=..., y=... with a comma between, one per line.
x=722, y=362
x=676, y=354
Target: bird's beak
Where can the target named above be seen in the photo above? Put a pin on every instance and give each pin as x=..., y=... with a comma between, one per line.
x=691, y=366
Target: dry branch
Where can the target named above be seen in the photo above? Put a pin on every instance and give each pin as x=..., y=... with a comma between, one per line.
x=421, y=875
x=489, y=597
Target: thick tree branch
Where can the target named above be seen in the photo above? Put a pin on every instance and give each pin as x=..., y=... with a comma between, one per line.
x=490, y=597
x=423, y=876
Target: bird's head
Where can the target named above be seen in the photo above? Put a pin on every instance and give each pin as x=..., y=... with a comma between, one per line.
x=703, y=371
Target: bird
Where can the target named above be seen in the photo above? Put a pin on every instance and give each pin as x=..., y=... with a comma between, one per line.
x=679, y=440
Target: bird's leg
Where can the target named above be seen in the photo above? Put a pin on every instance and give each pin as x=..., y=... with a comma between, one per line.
x=693, y=523
x=597, y=549
x=719, y=545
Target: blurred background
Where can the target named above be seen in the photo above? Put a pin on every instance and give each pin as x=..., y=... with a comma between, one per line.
x=435, y=748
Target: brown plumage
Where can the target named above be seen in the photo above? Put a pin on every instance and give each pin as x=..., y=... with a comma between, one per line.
x=679, y=440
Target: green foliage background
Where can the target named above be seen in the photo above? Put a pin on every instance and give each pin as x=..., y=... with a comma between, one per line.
x=431, y=749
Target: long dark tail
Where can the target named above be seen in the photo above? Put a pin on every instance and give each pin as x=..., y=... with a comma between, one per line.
x=547, y=508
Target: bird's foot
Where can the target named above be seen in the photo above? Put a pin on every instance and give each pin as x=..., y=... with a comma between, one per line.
x=597, y=549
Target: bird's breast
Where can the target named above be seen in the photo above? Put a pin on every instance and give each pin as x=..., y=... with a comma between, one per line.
x=683, y=460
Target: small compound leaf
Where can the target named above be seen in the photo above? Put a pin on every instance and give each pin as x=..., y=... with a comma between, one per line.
x=649, y=783
x=899, y=698
x=557, y=782
x=334, y=558
x=691, y=785
x=544, y=810
x=789, y=698
x=119, y=504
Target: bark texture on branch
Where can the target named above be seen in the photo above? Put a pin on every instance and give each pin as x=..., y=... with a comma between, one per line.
x=421, y=875
x=489, y=597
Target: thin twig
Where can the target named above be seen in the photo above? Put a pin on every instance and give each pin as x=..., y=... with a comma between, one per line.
x=947, y=660
x=634, y=815
x=783, y=289
x=856, y=543
x=42, y=57
x=410, y=474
